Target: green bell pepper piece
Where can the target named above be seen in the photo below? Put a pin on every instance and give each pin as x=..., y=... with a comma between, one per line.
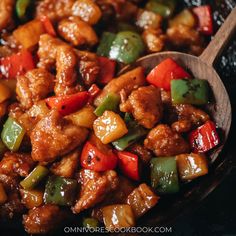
x=165, y=8
x=109, y=103
x=131, y=137
x=189, y=91
x=164, y=176
x=60, y=191
x=105, y=44
x=134, y=134
x=90, y=223
x=12, y=134
x=34, y=178
x=21, y=7
x=127, y=47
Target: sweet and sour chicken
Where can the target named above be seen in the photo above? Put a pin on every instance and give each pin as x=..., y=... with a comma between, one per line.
x=79, y=138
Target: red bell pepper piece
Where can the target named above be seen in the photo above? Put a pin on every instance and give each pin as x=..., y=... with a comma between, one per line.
x=107, y=70
x=16, y=64
x=48, y=26
x=93, y=158
x=163, y=73
x=129, y=164
x=94, y=90
x=204, y=137
x=205, y=19
x=68, y=104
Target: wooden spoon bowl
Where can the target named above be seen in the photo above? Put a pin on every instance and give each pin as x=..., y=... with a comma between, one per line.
x=219, y=106
x=202, y=68
x=220, y=110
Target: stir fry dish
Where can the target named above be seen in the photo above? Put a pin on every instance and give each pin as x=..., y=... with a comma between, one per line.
x=76, y=137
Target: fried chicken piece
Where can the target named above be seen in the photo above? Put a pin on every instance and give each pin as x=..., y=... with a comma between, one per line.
x=145, y=105
x=43, y=219
x=183, y=117
x=34, y=86
x=188, y=112
x=163, y=141
x=57, y=10
x=119, y=195
x=67, y=166
x=54, y=136
x=89, y=67
x=77, y=32
x=143, y=153
x=182, y=126
x=16, y=164
x=55, y=53
x=94, y=188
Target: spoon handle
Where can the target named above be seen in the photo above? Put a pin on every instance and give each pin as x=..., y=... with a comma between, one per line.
x=220, y=40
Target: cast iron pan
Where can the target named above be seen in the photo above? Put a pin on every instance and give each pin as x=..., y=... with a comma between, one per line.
x=190, y=196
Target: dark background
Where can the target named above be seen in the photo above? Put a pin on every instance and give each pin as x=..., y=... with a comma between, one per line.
x=216, y=215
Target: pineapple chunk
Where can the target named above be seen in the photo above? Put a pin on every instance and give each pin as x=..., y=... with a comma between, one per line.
x=87, y=10
x=191, y=166
x=148, y=19
x=31, y=198
x=109, y=127
x=28, y=34
x=185, y=17
x=84, y=117
x=118, y=216
x=142, y=199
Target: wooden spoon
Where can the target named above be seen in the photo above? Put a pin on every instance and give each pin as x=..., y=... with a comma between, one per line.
x=202, y=67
